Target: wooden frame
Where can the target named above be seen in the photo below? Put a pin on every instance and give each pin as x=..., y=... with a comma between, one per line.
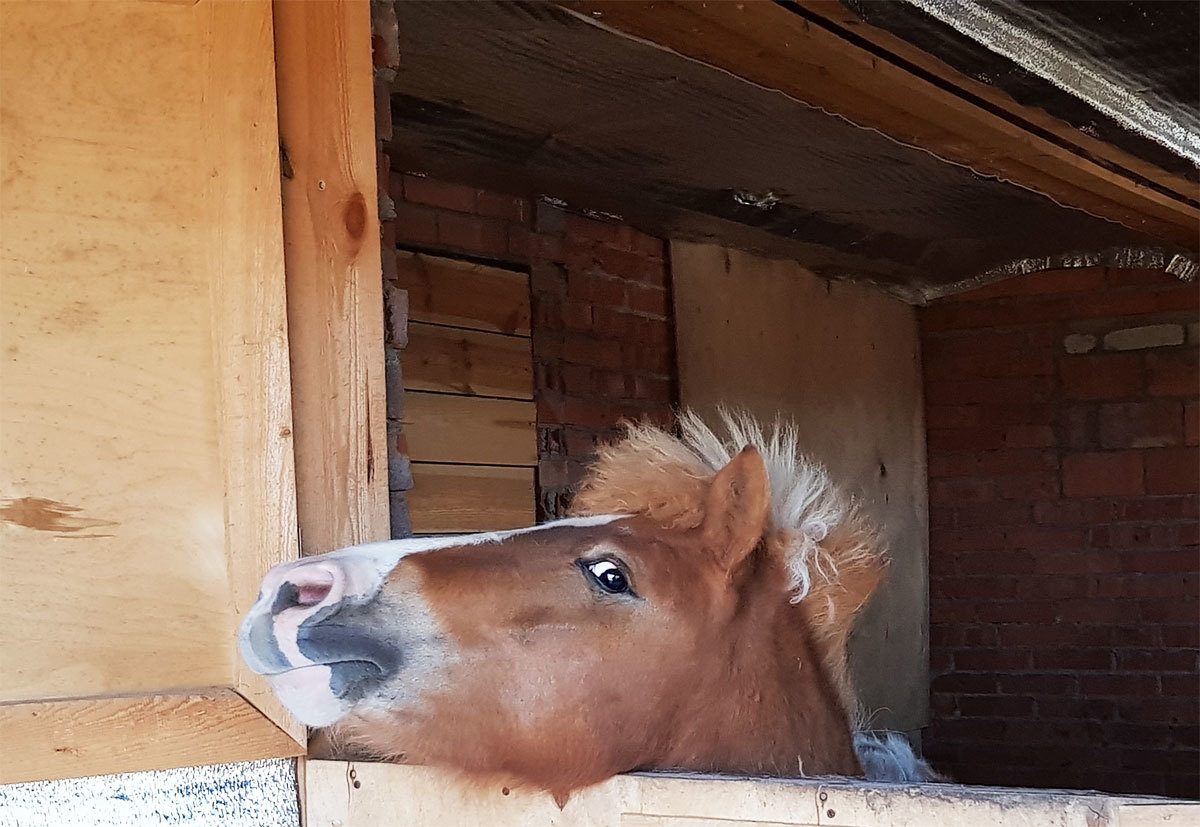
x=165, y=390
x=766, y=43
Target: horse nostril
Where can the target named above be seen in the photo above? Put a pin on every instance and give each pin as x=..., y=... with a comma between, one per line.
x=307, y=586
x=310, y=594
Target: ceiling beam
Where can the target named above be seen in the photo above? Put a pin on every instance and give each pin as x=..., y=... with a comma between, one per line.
x=816, y=61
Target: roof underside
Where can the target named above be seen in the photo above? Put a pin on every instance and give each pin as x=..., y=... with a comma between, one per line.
x=534, y=99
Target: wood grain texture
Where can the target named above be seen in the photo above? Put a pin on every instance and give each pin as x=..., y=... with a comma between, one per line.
x=469, y=362
x=465, y=498
x=463, y=294
x=387, y=794
x=73, y=738
x=442, y=427
x=767, y=44
x=334, y=277
x=842, y=362
x=146, y=452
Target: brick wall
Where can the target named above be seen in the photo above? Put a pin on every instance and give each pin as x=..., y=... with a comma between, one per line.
x=602, y=326
x=1063, y=476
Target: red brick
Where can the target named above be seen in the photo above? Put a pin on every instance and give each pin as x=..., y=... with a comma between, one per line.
x=648, y=245
x=1035, y=284
x=986, y=391
x=1111, y=303
x=1181, y=298
x=943, y=417
x=648, y=299
x=611, y=385
x=1141, y=424
x=415, y=225
x=1191, y=423
x=1173, y=471
x=1103, y=474
x=1030, y=436
x=614, y=324
x=577, y=315
x=433, y=193
x=603, y=232
x=1064, y=660
x=1174, y=372
x=595, y=288
x=508, y=207
x=1157, y=660
x=1118, y=277
x=648, y=387
x=653, y=271
x=1033, y=486
x=583, y=349
x=975, y=463
x=1034, y=684
x=961, y=490
x=1101, y=377
x=994, y=705
x=473, y=234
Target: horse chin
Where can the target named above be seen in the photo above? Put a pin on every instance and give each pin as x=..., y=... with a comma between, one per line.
x=308, y=693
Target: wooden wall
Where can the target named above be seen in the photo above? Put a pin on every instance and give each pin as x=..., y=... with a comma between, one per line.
x=469, y=420
x=147, y=472
x=843, y=362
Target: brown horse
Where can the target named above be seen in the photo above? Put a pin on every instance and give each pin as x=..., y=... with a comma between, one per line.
x=693, y=615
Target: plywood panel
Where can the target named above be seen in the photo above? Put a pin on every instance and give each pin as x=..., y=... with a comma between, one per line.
x=442, y=427
x=468, y=362
x=146, y=449
x=334, y=282
x=466, y=498
x=58, y=739
x=374, y=795
x=842, y=361
x=460, y=293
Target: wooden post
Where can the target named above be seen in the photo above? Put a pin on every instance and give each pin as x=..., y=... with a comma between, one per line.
x=334, y=277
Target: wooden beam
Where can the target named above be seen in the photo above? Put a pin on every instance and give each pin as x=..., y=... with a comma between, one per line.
x=99, y=736
x=770, y=45
x=334, y=277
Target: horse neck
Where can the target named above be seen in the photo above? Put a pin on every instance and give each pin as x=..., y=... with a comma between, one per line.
x=767, y=705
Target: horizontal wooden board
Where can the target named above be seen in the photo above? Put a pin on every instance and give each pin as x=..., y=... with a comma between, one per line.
x=471, y=362
x=443, y=427
x=448, y=499
x=98, y=736
x=386, y=794
x=448, y=291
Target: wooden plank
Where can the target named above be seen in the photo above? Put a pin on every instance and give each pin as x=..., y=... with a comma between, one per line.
x=767, y=44
x=387, y=794
x=73, y=738
x=250, y=326
x=838, y=14
x=448, y=291
x=453, y=360
x=442, y=427
x=841, y=361
x=465, y=498
x=334, y=277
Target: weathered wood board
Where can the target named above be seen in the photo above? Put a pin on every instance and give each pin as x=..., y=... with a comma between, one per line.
x=443, y=427
x=842, y=362
x=470, y=362
x=463, y=294
x=464, y=498
x=375, y=795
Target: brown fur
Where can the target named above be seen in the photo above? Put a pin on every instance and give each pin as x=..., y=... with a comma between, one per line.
x=713, y=667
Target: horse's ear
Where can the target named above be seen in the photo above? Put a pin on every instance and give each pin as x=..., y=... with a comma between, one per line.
x=737, y=506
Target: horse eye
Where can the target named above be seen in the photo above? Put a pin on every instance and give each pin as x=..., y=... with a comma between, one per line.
x=608, y=576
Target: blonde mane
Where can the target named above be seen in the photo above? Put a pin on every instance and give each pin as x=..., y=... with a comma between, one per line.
x=834, y=559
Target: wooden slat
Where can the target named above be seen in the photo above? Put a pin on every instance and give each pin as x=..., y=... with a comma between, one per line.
x=460, y=293
x=74, y=738
x=767, y=44
x=471, y=362
x=387, y=794
x=334, y=283
x=442, y=427
x=465, y=498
